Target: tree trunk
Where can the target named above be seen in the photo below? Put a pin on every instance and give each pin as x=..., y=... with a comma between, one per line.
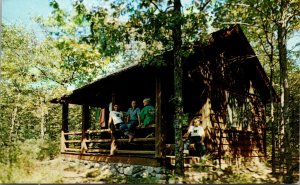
x=282, y=39
x=272, y=118
x=178, y=118
x=273, y=128
x=12, y=126
x=42, y=121
x=13, y=120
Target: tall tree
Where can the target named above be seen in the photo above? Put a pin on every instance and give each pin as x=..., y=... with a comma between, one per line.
x=177, y=40
x=289, y=12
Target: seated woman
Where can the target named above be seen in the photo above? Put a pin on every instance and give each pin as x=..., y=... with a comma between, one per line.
x=196, y=136
x=116, y=122
x=133, y=119
x=147, y=114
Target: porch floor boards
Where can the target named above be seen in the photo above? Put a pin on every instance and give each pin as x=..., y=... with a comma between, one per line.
x=147, y=160
x=118, y=158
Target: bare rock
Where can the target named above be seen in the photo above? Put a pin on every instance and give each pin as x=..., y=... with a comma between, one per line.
x=150, y=169
x=128, y=170
x=137, y=169
x=145, y=174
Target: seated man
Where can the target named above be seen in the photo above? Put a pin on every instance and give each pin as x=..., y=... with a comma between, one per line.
x=196, y=136
x=116, y=122
x=133, y=119
x=147, y=114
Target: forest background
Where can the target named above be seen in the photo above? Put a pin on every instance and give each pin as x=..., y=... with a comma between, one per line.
x=80, y=41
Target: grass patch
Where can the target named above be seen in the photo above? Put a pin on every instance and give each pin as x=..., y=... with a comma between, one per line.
x=93, y=174
x=130, y=180
x=70, y=168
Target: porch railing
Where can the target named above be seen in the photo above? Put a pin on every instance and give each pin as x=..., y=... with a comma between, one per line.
x=99, y=141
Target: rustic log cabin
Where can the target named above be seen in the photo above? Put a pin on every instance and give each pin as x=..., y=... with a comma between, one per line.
x=222, y=80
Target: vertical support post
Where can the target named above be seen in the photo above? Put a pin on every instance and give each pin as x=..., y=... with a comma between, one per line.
x=113, y=145
x=65, y=127
x=159, y=132
x=85, y=127
x=113, y=98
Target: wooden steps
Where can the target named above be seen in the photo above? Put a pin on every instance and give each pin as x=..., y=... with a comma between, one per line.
x=189, y=161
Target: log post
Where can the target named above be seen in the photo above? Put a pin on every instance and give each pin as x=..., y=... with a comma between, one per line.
x=65, y=127
x=159, y=133
x=85, y=127
x=113, y=145
x=113, y=99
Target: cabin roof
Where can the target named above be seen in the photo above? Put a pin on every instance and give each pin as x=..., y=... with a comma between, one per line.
x=222, y=38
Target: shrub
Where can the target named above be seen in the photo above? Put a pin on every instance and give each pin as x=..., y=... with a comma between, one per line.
x=48, y=150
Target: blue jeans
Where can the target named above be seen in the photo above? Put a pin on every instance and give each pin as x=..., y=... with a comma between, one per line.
x=132, y=125
x=200, y=148
x=122, y=126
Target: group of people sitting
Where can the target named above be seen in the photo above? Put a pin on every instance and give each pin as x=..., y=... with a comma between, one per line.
x=144, y=118
x=135, y=118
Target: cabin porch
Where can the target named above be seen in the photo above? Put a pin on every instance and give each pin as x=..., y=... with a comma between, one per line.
x=96, y=147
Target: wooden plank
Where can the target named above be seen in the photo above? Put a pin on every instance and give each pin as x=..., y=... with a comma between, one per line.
x=108, y=130
x=235, y=131
x=97, y=151
x=135, y=152
x=73, y=133
x=99, y=140
x=73, y=149
x=73, y=141
x=122, y=151
x=239, y=156
x=119, y=140
x=97, y=131
x=135, y=160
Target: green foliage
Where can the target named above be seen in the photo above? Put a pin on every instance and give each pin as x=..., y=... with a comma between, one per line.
x=49, y=149
x=93, y=174
x=142, y=28
x=23, y=157
x=151, y=24
x=148, y=180
x=202, y=165
x=185, y=120
x=132, y=180
x=25, y=108
x=69, y=47
x=259, y=20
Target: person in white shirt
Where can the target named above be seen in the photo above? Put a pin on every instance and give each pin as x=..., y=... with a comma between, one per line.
x=196, y=136
x=116, y=122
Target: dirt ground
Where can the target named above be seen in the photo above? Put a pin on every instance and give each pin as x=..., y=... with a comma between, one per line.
x=60, y=171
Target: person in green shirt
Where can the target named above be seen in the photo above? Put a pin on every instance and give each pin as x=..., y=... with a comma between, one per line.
x=147, y=114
